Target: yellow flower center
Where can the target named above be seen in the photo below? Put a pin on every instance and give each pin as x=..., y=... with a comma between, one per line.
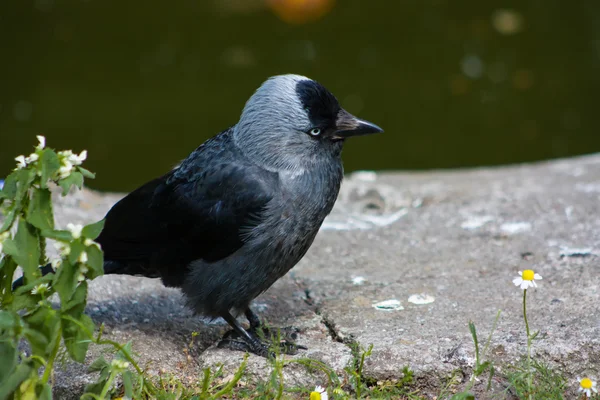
x=585, y=383
x=528, y=275
x=317, y=395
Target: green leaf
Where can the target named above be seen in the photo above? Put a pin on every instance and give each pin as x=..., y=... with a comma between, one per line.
x=95, y=261
x=45, y=321
x=20, y=374
x=8, y=355
x=24, y=179
x=75, y=179
x=92, y=231
x=86, y=173
x=463, y=396
x=77, y=247
x=128, y=384
x=8, y=220
x=96, y=387
x=474, y=335
x=50, y=164
x=26, y=289
x=125, y=349
x=43, y=391
x=24, y=299
x=37, y=340
x=26, y=250
x=63, y=236
x=98, y=365
x=7, y=320
x=76, y=338
x=9, y=190
x=40, y=213
x=65, y=280
x=76, y=304
x=7, y=272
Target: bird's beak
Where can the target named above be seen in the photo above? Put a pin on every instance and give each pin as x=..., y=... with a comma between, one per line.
x=348, y=125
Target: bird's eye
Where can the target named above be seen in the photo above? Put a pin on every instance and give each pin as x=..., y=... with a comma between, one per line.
x=315, y=131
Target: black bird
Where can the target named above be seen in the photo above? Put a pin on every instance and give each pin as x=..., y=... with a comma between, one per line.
x=241, y=210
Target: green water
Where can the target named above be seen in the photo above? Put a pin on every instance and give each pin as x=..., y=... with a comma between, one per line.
x=454, y=83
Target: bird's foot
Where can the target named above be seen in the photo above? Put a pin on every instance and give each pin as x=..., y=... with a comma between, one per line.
x=268, y=342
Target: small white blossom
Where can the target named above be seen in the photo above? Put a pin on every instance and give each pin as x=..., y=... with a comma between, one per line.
x=319, y=394
x=78, y=159
x=21, y=162
x=89, y=242
x=75, y=230
x=65, y=170
x=63, y=248
x=42, y=140
x=119, y=364
x=83, y=257
x=587, y=386
x=40, y=289
x=33, y=157
x=527, y=279
x=56, y=263
x=67, y=156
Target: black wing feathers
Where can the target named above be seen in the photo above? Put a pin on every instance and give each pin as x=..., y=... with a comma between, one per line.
x=186, y=215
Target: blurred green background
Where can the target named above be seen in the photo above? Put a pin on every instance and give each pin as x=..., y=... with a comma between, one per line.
x=140, y=84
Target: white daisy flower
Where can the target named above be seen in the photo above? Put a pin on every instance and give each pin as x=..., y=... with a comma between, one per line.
x=587, y=386
x=75, y=230
x=42, y=140
x=21, y=162
x=319, y=393
x=39, y=289
x=527, y=279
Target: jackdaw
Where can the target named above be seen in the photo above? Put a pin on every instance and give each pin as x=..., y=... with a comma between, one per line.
x=242, y=209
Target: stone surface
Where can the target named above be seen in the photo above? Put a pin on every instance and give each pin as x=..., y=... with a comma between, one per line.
x=458, y=237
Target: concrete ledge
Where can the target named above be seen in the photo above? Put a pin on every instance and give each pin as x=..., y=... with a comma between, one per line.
x=458, y=237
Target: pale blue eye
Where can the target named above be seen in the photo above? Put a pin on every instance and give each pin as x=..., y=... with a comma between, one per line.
x=315, y=131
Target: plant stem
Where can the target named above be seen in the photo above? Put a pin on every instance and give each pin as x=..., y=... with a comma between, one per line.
x=50, y=363
x=108, y=383
x=529, y=395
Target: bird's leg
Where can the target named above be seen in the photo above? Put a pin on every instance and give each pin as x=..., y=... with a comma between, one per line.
x=247, y=340
x=253, y=319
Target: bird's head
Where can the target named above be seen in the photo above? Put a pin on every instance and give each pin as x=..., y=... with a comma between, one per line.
x=293, y=122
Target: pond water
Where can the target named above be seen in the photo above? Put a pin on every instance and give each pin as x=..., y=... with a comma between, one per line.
x=454, y=84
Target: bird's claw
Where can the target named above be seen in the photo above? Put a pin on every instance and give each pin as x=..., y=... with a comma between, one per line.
x=268, y=340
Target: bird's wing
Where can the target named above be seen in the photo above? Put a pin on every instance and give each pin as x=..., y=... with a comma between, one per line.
x=185, y=216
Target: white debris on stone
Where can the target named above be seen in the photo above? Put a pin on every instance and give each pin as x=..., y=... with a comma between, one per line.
x=475, y=222
x=569, y=212
x=421, y=298
x=515, y=227
x=388, y=305
x=576, y=252
x=352, y=221
x=592, y=187
x=365, y=176
x=358, y=280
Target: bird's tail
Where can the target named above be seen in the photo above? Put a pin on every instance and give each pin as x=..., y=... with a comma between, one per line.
x=110, y=267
